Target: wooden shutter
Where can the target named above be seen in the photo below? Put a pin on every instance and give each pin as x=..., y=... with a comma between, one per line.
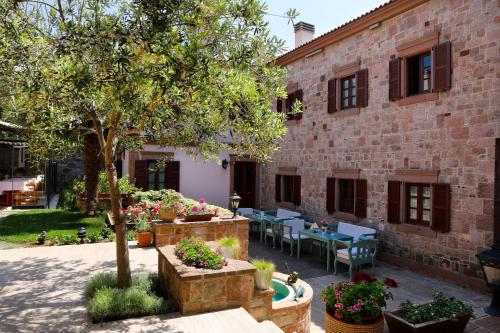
x=298, y=96
x=277, y=188
x=441, y=58
x=395, y=79
x=393, y=202
x=330, y=195
x=172, y=175
x=141, y=174
x=279, y=105
x=332, y=95
x=361, y=198
x=440, y=207
x=296, y=190
x=362, y=88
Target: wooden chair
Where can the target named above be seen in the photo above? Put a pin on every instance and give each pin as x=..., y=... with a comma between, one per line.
x=290, y=233
x=355, y=254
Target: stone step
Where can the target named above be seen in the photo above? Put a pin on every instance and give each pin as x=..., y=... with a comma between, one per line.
x=270, y=327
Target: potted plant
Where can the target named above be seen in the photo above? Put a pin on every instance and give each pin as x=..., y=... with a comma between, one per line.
x=264, y=273
x=170, y=206
x=143, y=233
x=355, y=306
x=441, y=315
x=198, y=212
x=230, y=247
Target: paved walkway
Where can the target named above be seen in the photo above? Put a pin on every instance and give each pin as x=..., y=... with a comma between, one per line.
x=40, y=288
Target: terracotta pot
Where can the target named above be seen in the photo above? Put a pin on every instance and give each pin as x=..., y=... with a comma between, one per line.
x=143, y=239
x=167, y=214
x=333, y=325
x=397, y=324
x=198, y=218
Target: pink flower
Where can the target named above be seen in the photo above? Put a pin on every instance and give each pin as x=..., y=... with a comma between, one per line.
x=134, y=216
x=360, y=302
x=338, y=293
x=338, y=315
x=339, y=306
x=202, y=200
x=196, y=208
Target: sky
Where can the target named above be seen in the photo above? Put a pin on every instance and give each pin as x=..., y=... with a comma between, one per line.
x=324, y=14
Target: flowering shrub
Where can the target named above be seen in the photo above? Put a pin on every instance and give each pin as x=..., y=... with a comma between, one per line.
x=172, y=199
x=195, y=253
x=356, y=302
x=141, y=212
x=199, y=208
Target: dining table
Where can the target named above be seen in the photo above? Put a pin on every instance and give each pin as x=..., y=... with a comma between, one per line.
x=262, y=218
x=323, y=236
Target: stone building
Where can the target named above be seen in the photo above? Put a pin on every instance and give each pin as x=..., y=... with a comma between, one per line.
x=401, y=112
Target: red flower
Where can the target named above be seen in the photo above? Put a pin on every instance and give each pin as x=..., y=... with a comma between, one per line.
x=361, y=276
x=390, y=283
x=150, y=217
x=134, y=216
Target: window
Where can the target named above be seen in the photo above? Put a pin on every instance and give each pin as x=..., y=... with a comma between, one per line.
x=288, y=189
x=346, y=195
x=419, y=74
x=348, y=86
x=418, y=204
x=156, y=176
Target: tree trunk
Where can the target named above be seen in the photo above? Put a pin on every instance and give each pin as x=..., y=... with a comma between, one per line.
x=91, y=150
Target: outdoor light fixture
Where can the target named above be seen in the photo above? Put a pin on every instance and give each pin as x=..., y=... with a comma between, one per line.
x=82, y=233
x=490, y=262
x=224, y=164
x=234, y=202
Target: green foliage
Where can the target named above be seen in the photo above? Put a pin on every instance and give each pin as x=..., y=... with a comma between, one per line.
x=194, y=252
x=67, y=198
x=233, y=243
x=66, y=239
x=125, y=186
x=131, y=235
x=440, y=307
x=102, y=182
x=356, y=302
x=25, y=227
x=171, y=199
x=264, y=265
x=107, y=302
x=143, y=226
x=149, y=197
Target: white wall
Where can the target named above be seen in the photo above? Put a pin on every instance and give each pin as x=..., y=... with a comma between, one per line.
x=198, y=178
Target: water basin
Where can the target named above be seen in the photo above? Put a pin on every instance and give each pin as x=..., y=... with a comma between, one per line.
x=282, y=291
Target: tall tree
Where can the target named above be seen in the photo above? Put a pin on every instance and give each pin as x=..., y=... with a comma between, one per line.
x=177, y=72
x=91, y=152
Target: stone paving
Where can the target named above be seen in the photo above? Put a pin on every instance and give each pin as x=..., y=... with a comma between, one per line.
x=40, y=288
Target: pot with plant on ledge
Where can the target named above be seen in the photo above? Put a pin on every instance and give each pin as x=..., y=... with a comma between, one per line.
x=143, y=233
x=199, y=212
x=356, y=306
x=230, y=247
x=170, y=206
x=264, y=273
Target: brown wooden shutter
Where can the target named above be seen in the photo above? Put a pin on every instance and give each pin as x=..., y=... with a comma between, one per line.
x=440, y=207
x=332, y=95
x=141, y=174
x=361, y=198
x=362, y=88
x=330, y=195
x=296, y=190
x=172, y=175
x=393, y=202
x=299, y=96
x=279, y=105
x=441, y=57
x=277, y=188
x=395, y=79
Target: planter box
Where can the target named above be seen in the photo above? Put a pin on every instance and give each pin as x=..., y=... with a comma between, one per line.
x=198, y=218
x=397, y=324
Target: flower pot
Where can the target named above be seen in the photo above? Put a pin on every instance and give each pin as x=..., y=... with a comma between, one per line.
x=198, y=217
x=397, y=324
x=333, y=325
x=143, y=239
x=263, y=280
x=167, y=214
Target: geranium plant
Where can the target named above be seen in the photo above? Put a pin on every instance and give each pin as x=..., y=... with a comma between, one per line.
x=172, y=199
x=359, y=301
x=194, y=252
x=136, y=213
x=201, y=208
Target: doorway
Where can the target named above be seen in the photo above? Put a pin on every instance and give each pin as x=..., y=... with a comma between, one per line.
x=245, y=182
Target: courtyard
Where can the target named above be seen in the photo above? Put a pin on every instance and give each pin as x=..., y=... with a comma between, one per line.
x=40, y=288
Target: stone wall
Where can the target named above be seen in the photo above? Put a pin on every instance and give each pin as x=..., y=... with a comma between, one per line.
x=69, y=170
x=172, y=233
x=455, y=133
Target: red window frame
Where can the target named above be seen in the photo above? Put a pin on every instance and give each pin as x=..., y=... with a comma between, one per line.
x=420, y=204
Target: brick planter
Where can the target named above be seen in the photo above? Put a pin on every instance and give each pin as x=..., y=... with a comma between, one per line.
x=217, y=228
x=203, y=290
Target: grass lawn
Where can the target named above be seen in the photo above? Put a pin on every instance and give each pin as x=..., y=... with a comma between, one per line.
x=24, y=227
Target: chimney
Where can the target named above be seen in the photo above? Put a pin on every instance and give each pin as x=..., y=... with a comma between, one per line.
x=304, y=32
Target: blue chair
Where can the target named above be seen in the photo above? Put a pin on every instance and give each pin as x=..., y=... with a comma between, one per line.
x=355, y=254
x=290, y=233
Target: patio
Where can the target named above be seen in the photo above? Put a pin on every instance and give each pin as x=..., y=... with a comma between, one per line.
x=40, y=288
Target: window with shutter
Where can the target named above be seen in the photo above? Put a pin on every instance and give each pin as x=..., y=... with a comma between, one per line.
x=332, y=95
x=346, y=195
x=290, y=102
x=172, y=175
x=361, y=198
x=395, y=79
x=296, y=190
x=299, y=97
x=277, y=193
x=418, y=204
x=362, y=87
x=393, y=202
x=141, y=174
x=441, y=56
x=440, y=207
x=330, y=195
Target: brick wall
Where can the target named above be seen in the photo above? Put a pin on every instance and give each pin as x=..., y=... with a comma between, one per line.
x=454, y=134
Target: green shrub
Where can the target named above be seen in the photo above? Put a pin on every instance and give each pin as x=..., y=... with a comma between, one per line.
x=107, y=233
x=194, y=252
x=131, y=234
x=94, y=237
x=440, y=307
x=67, y=198
x=150, y=197
x=233, y=243
x=107, y=302
x=66, y=239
